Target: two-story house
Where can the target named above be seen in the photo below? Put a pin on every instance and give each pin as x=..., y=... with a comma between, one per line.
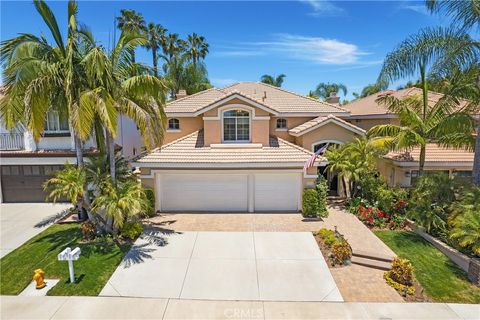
x=241, y=148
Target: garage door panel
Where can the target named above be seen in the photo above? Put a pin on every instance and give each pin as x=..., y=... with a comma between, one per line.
x=204, y=192
x=277, y=192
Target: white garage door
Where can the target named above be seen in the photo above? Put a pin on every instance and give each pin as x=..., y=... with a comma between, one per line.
x=277, y=192
x=204, y=192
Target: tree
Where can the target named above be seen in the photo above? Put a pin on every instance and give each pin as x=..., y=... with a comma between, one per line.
x=312, y=95
x=444, y=123
x=131, y=21
x=372, y=89
x=181, y=74
x=172, y=46
x=325, y=90
x=272, y=80
x=155, y=36
x=196, y=48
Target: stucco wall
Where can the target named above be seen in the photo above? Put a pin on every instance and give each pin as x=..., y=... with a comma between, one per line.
x=329, y=131
x=292, y=122
x=187, y=126
x=369, y=123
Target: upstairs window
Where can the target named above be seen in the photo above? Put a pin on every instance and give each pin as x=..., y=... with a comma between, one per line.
x=236, y=126
x=56, y=122
x=281, y=123
x=173, y=124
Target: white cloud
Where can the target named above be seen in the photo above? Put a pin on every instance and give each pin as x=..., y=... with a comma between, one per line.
x=416, y=6
x=323, y=8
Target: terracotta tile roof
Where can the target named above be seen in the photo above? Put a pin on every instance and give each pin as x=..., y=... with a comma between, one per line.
x=319, y=121
x=190, y=151
x=277, y=99
x=434, y=153
x=368, y=106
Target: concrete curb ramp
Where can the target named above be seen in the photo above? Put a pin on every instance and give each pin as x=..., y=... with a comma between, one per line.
x=14, y=307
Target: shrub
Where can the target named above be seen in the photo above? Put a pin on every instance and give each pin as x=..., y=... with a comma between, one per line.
x=310, y=205
x=330, y=240
x=341, y=252
x=402, y=271
x=89, y=230
x=322, y=190
x=325, y=233
x=150, y=195
x=132, y=230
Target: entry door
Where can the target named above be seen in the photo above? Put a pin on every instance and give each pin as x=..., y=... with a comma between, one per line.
x=204, y=192
x=277, y=192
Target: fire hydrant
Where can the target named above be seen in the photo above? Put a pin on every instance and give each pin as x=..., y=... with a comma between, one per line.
x=39, y=277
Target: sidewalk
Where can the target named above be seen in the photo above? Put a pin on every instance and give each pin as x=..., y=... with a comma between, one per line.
x=14, y=307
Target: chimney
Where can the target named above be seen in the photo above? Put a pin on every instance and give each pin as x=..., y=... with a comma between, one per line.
x=333, y=99
x=181, y=94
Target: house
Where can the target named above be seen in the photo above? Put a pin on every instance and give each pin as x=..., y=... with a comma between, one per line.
x=242, y=148
x=401, y=168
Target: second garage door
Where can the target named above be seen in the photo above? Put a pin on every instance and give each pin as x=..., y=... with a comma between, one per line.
x=235, y=192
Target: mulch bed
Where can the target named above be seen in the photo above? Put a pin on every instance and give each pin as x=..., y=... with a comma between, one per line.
x=326, y=251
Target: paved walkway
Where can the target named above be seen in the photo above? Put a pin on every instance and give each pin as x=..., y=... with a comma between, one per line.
x=274, y=266
x=146, y=308
x=21, y=221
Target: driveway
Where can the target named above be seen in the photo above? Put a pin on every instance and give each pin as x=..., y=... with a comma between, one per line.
x=21, y=221
x=267, y=266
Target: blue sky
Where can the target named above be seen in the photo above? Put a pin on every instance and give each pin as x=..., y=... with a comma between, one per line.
x=309, y=41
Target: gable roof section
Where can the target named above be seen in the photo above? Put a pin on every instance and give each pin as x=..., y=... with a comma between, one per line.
x=368, y=107
x=435, y=155
x=190, y=152
x=321, y=121
x=278, y=100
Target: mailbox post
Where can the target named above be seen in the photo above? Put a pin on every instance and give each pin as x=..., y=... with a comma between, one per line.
x=70, y=255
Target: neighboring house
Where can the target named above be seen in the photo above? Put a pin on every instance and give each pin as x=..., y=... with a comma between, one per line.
x=401, y=168
x=241, y=148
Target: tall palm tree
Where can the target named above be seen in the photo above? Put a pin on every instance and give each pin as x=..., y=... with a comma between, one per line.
x=325, y=90
x=272, y=80
x=444, y=123
x=172, y=46
x=196, y=48
x=466, y=15
x=39, y=76
x=181, y=74
x=155, y=35
x=131, y=21
x=372, y=89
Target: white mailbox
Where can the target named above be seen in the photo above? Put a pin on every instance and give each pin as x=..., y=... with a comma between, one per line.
x=70, y=255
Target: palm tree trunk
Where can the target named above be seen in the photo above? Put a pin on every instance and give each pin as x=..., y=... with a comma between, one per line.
x=424, y=91
x=111, y=154
x=78, y=150
x=422, y=159
x=155, y=61
x=344, y=183
x=476, y=158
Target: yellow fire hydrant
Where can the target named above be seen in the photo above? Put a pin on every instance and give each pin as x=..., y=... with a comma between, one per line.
x=39, y=277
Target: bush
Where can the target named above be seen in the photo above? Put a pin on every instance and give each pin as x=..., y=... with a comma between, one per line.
x=341, y=252
x=322, y=190
x=310, y=205
x=325, y=233
x=402, y=271
x=150, y=195
x=89, y=230
x=132, y=230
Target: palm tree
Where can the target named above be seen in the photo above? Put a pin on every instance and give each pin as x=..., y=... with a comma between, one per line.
x=338, y=162
x=325, y=90
x=372, y=89
x=466, y=15
x=272, y=80
x=312, y=95
x=155, y=35
x=39, y=76
x=196, y=48
x=172, y=46
x=443, y=123
x=181, y=74
x=131, y=21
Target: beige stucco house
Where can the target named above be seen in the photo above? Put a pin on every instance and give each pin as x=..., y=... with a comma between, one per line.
x=241, y=148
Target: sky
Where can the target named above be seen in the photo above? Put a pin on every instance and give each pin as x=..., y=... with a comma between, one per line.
x=308, y=41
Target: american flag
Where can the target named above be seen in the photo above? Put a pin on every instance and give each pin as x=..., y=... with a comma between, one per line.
x=310, y=162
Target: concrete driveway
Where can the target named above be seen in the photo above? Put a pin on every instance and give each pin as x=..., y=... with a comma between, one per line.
x=267, y=266
x=21, y=221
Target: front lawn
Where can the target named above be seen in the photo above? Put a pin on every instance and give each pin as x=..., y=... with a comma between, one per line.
x=442, y=280
x=97, y=262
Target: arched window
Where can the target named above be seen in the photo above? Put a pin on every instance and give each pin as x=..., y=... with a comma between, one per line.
x=324, y=144
x=236, y=126
x=173, y=124
x=281, y=123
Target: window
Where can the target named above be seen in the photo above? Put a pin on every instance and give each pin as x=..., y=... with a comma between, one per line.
x=173, y=124
x=56, y=122
x=281, y=123
x=236, y=126
x=323, y=144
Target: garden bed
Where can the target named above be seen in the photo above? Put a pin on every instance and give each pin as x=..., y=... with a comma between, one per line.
x=98, y=260
x=326, y=245
x=442, y=279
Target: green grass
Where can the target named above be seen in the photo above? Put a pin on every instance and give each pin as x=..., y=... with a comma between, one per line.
x=97, y=262
x=442, y=279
